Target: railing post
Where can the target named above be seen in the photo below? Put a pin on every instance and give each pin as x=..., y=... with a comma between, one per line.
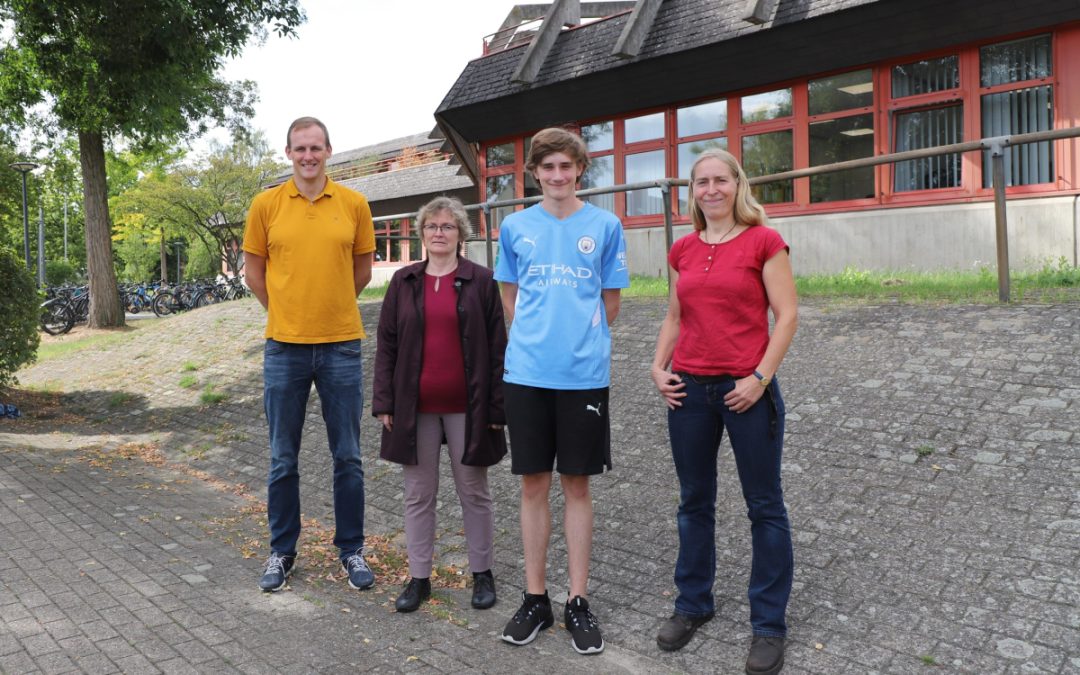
x=997, y=154
x=669, y=232
x=486, y=208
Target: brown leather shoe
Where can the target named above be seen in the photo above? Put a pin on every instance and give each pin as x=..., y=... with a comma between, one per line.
x=678, y=630
x=766, y=656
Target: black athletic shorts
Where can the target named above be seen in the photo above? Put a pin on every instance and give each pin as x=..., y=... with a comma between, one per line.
x=564, y=429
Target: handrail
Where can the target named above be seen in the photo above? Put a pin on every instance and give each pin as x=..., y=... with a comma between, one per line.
x=995, y=144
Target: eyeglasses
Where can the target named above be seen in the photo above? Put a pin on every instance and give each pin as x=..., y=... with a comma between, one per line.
x=445, y=227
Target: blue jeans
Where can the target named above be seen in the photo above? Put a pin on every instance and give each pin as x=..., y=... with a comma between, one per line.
x=757, y=438
x=288, y=371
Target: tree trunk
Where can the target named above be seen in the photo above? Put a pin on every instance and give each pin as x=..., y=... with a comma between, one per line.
x=164, y=261
x=105, y=309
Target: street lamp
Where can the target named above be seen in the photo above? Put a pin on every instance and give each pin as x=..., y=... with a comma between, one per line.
x=25, y=168
x=179, y=244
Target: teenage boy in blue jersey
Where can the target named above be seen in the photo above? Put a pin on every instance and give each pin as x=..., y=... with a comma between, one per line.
x=561, y=265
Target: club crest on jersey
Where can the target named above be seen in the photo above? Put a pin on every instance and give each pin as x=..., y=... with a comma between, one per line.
x=586, y=245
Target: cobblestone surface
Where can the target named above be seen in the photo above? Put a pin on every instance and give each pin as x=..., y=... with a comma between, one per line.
x=932, y=472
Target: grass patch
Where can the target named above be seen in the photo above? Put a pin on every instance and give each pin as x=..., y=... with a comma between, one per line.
x=374, y=292
x=119, y=399
x=210, y=397
x=188, y=367
x=52, y=350
x=642, y=286
x=188, y=381
x=924, y=451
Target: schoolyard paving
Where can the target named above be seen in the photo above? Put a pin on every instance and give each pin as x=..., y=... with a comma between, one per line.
x=932, y=474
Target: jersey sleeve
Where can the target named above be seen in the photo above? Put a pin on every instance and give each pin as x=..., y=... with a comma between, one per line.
x=364, y=239
x=255, y=229
x=506, y=260
x=614, y=269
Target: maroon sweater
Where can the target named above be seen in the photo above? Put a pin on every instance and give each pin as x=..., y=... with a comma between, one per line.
x=442, y=373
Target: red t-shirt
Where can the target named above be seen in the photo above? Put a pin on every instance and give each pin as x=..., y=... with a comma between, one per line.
x=442, y=373
x=724, y=312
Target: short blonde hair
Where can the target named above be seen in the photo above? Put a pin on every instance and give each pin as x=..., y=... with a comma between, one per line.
x=747, y=210
x=451, y=205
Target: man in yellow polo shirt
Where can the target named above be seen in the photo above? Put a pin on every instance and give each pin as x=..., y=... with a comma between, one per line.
x=308, y=248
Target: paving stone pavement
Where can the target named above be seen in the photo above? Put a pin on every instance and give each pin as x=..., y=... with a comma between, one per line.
x=932, y=473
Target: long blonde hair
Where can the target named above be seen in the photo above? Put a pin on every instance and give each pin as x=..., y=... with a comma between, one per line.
x=747, y=210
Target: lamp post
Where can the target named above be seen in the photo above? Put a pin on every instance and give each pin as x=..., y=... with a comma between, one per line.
x=179, y=244
x=25, y=168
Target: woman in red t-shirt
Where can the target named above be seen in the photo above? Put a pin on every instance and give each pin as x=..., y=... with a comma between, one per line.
x=438, y=375
x=715, y=367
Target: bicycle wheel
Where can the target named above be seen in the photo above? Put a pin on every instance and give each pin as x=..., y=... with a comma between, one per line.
x=164, y=304
x=56, y=317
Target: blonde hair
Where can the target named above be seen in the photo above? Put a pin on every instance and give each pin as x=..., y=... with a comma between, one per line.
x=747, y=210
x=451, y=205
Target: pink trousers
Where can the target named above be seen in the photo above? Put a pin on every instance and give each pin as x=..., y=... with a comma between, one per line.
x=422, y=490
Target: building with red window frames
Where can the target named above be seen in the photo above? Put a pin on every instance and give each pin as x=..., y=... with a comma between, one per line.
x=789, y=84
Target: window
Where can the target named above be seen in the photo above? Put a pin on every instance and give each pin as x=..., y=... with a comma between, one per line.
x=388, y=249
x=706, y=118
x=766, y=106
x=601, y=173
x=926, y=129
x=768, y=153
x=841, y=128
x=940, y=122
x=599, y=137
x=644, y=128
x=642, y=167
x=498, y=189
x=500, y=155
x=1018, y=110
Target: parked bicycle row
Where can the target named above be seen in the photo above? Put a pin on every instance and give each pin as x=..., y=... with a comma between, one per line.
x=65, y=306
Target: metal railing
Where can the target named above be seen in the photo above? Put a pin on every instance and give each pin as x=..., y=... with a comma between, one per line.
x=996, y=145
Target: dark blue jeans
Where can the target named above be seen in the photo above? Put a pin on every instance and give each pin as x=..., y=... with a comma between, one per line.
x=288, y=372
x=757, y=438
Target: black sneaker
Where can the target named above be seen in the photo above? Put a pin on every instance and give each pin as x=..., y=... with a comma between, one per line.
x=416, y=591
x=277, y=570
x=360, y=575
x=533, y=616
x=583, y=627
x=483, y=590
x=678, y=630
x=766, y=656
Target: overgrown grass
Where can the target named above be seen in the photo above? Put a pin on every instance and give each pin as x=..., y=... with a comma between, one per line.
x=1055, y=281
x=210, y=397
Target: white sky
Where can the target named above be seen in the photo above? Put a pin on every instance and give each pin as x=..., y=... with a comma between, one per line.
x=371, y=70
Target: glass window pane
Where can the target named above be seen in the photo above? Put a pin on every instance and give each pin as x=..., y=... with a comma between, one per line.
x=706, y=118
x=1015, y=61
x=688, y=152
x=841, y=92
x=644, y=128
x=601, y=173
x=599, y=137
x=1020, y=112
x=923, y=77
x=499, y=188
x=500, y=155
x=766, y=106
x=763, y=154
x=838, y=141
x=415, y=247
x=926, y=129
x=642, y=167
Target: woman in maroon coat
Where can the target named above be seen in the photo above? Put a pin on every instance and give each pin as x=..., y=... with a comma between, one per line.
x=438, y=375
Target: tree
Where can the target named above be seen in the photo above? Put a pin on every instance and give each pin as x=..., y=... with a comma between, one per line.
x=19, y=315
x=207, y=203
x=145, y=71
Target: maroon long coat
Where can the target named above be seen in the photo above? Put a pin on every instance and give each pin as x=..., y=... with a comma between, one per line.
x=399, y=356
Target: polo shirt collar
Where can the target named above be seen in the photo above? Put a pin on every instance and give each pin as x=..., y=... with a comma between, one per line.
x=330, y=189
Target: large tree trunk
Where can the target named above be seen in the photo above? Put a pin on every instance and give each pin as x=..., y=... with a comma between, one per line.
x=105, y=309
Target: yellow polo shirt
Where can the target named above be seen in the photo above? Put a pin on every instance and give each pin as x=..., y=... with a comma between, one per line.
x=309, y=248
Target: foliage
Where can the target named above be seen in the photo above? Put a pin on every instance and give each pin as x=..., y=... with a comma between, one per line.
x=202, y=263
x=206, y=204
x=19, y=316
x=145, y=71
x=58, y=273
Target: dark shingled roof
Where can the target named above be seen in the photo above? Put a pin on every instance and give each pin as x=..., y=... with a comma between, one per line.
x=434, y=178
x=581, y=80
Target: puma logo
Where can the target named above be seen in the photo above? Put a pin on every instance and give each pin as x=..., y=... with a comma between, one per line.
x=594, y=408
x=529, y=241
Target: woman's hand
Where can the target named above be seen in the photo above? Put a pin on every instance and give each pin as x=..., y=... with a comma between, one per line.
x=387, y=421
x=746, y=393
x=669, y=385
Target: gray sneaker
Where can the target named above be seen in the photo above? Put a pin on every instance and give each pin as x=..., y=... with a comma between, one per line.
x=360, y=575
x=276, y=572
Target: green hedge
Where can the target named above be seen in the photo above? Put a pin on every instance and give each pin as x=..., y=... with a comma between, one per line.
x=19, y=317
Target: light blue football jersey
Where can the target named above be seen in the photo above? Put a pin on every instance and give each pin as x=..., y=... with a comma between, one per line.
x=560, y=337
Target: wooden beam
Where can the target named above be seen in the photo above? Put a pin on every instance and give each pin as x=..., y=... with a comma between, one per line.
x=461, y=149
x=562, y=12
x=636, y=29
x=759, y=11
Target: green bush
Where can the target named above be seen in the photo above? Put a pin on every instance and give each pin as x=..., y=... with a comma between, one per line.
x=19, y=317
x=59, y=272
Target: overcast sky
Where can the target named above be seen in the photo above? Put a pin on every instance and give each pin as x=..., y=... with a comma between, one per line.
x=372, y=70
